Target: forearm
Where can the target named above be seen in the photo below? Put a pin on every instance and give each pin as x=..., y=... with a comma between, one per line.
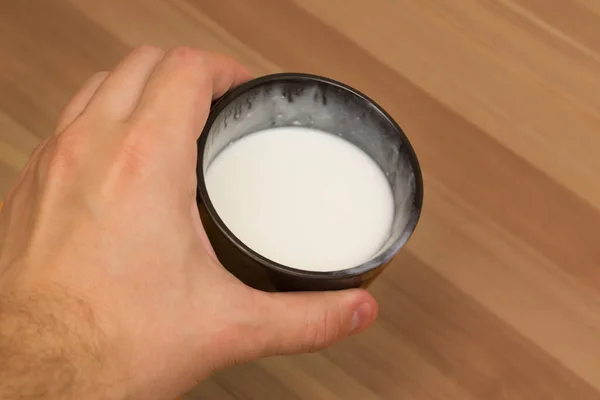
x=51, y=348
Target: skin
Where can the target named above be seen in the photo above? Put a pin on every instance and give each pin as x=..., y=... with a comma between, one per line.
x=109, y=288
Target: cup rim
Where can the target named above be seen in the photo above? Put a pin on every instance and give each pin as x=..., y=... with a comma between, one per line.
x=371, y=264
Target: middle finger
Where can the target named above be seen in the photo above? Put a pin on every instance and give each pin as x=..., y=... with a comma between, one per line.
x=120, y=93
x=177, y=98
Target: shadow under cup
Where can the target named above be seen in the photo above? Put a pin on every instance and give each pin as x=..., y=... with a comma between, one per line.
x=292, y=99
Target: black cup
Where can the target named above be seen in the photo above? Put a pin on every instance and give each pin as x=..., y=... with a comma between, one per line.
x=293, y=99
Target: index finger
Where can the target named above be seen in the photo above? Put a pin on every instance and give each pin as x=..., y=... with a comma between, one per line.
x=178, y=95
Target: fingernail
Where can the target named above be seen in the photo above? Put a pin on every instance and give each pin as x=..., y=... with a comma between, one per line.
x=361, y=315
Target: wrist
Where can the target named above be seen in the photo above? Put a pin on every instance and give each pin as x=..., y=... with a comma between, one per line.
x=51, y=347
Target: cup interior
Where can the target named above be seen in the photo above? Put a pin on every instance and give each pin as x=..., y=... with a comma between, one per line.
x=309, y=101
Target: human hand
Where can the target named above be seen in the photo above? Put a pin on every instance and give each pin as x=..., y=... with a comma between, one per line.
x=108, y=285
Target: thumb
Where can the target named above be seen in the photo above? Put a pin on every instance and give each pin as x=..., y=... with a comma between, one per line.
x=293, y=323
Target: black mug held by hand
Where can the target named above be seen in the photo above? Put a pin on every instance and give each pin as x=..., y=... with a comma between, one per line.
x=292, y=99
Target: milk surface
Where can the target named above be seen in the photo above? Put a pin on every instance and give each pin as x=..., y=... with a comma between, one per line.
x=302, y=197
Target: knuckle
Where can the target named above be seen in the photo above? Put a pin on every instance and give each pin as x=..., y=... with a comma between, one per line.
x=187, y=55
x=325, y=331
x=67, y=144
x=65, y=156
x=134, y=155
x=131, y=159
x=139, y=137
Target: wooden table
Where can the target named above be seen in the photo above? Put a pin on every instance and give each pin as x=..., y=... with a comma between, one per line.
x=497, y=295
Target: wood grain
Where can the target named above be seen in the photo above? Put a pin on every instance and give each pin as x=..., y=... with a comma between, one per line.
x=497, y=296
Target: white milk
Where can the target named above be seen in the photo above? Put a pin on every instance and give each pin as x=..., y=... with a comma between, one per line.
x=302, y=197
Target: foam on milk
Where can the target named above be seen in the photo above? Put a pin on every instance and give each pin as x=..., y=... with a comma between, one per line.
x=302, y=197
